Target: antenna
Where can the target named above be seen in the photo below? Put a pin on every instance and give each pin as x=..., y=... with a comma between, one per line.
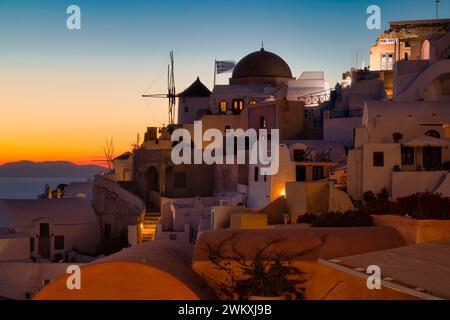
x=171, y=91
x=437, y=8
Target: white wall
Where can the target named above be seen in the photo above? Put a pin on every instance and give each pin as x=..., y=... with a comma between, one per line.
x=84, y=237
x=407, y=183
x=16, y=278
x=377, y=178
x=193, y=105
x=341, y=130
x=14, y=247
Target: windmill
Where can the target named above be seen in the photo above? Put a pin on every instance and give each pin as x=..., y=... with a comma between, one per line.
x=171, y=93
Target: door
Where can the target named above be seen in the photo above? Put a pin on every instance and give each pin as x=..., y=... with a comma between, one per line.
x=432, y=157
x=387, y=61
x=300, y=173
x=44, y=240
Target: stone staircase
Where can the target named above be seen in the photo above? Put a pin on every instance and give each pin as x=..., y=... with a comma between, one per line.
x=150, y=220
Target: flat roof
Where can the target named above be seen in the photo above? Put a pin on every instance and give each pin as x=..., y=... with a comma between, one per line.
x=421, y=270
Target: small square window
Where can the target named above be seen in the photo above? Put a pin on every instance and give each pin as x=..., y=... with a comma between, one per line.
x=378, y=159
x=407, y=155
x=318, y=173
x=59, y=242
x=186, y=109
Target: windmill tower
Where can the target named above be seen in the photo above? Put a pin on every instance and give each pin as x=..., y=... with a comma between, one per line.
x=171, y=92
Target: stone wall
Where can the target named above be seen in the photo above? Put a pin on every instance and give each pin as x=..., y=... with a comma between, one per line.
x=115, y=205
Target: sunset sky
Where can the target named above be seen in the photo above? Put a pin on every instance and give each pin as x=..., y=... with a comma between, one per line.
x=62, y=92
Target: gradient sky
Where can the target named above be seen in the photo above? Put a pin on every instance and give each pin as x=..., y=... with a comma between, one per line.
x=62, y=93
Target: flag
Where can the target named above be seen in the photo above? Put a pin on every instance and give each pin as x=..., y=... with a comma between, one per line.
x=224, y=66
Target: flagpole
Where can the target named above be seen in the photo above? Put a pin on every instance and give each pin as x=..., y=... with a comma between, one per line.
x=215, y=72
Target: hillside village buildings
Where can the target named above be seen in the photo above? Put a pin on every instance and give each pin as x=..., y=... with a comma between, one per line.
x=385, y=127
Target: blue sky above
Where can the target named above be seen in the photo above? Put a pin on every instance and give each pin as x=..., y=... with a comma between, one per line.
x=125, y=35
x=83, y=86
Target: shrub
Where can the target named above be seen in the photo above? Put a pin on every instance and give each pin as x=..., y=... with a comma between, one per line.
x=338, y=220
x=369, y=196
x=425, y=205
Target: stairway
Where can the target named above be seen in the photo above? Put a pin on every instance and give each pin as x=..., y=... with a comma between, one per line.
x=151, y=219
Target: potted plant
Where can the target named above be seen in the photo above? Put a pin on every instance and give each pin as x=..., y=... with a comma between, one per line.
x=397, y=136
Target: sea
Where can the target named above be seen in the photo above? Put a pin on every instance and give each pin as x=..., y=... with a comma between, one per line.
x=30, y=188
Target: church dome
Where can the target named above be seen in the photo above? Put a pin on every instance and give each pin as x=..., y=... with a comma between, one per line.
x=262, y=64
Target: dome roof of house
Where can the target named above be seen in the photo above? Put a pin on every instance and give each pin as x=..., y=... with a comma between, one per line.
x=262, y=64
x=197, y=89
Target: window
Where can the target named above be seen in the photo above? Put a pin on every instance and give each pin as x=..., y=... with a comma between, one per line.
x=300, y=173
x=223, y=106
x=407, y=155
x=186, y=109
x=262, y=123
x=180, y=179
x=238, y=106
x=59, y=242
x=107, y=231
x=387, y=61
x=318, y=173
x=32, y=244
x=378, y=159
x=252, y=102
x=256, y=174
x=433, y=133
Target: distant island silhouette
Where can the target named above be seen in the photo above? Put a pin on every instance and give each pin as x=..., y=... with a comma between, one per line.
x=48, y=169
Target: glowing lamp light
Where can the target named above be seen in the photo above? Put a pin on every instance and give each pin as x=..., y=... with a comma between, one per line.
x=283, y=193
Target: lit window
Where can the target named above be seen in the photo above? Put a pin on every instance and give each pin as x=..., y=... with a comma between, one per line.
x=252, y=102
x=238, y=106
x=223, y=106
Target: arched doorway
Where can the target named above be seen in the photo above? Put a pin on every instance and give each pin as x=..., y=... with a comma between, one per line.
x=152, y=177
x=425, y=52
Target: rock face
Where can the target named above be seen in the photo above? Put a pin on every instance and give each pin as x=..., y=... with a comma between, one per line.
x=328, y=243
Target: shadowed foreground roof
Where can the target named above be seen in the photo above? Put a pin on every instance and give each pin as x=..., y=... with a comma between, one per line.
x=155, y=270
x=421, y=270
